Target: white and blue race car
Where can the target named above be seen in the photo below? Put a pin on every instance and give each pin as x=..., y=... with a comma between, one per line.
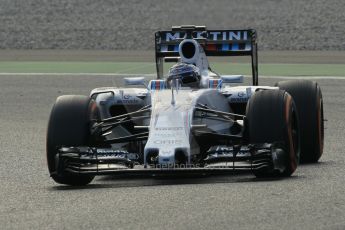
x=192, y=121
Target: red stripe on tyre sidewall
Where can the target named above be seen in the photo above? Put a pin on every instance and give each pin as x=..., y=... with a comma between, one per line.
x=288, y=113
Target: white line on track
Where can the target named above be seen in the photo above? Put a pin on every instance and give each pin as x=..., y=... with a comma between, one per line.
x=76, y=74
x=153, y=75
x=305, y=77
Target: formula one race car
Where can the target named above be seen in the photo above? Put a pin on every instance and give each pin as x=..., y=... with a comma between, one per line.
x=192, y=121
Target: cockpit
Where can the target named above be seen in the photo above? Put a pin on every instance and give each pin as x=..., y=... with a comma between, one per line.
x=185, y=75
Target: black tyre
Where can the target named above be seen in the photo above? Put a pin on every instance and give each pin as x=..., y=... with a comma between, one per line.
x=272, y=118
x=308, y=99
x=69, y=125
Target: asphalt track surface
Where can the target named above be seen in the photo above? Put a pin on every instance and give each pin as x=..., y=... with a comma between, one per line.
x=313, y=198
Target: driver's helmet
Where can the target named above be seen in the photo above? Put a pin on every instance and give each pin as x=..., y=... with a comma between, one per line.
x=187, y=74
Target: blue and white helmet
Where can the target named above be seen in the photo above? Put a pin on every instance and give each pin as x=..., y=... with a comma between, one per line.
x=186, y=73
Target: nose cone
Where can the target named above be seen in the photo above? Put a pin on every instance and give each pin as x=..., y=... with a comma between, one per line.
x=169, y=157
x=170, y=142
x=166, y=156
x=170, y=128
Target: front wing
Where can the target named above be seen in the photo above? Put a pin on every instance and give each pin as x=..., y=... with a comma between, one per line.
x=96, y=161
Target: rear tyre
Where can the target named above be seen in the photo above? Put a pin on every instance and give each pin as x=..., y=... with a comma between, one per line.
x=308, y=99
x=69, y=125
x=272, y=118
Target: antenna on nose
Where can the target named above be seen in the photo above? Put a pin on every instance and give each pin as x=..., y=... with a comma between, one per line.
x=175, y=84
x=173, y=101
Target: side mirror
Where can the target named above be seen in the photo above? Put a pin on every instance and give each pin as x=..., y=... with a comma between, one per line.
x=134, y=81
x=232, y=78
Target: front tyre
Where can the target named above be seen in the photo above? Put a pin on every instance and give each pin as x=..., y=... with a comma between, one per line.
x=272, y=118
x=69, y=125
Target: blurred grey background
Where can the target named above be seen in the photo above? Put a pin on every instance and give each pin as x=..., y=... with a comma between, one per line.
x=130, y=24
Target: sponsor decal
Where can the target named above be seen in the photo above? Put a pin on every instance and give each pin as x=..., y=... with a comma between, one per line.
x=173, y=36
x=239, y=99
x=241, y=94
x=133, y=101
x=168, y=128
x=214, y=83
x=159, y=134
x=167, y=142
x=108, y=153
x=128, y=99
x=228, y=35
x=157, y=84
x=174, y=165
x=165, y=152
x=212, y=35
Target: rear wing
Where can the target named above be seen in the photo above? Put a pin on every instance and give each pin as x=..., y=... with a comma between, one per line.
x=214, y=43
